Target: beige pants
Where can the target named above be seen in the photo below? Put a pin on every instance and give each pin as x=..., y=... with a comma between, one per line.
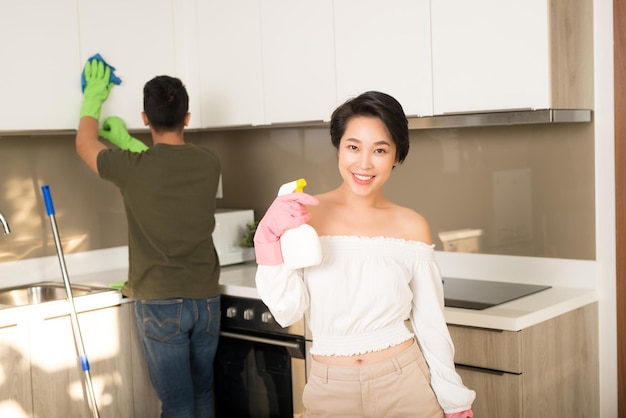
x=395, y=388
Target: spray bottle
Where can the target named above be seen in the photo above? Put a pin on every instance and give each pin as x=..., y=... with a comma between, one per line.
x=300, y=246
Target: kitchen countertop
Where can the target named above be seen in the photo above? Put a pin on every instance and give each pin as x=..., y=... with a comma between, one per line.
x=238, y=280
x=511, y=316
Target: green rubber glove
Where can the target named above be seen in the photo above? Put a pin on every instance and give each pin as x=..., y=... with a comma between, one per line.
x=97, y=88
x=114, y=129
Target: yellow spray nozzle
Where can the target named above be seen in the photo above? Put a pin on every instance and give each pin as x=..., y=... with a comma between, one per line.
x=295, y=186
x=300, y=184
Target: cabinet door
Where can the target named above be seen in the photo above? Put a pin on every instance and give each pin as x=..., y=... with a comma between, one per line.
x=185, y=16
x=497, y=394
x=40, y=69
x=57, y=375
x=487, y=348
x=136, y=37
x=298, y=60
x=490, y=54
x=385, y=46
x=15, y=383
x=229, y=62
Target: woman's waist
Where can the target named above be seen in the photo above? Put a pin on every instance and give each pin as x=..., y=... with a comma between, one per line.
x=353, y=343
x=365, y=359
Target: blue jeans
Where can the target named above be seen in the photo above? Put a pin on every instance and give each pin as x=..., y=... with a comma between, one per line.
x=180, y=340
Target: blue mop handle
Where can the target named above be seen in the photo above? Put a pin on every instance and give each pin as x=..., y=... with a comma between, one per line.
x=84, y=362
x=47, y=197
x=80, y=346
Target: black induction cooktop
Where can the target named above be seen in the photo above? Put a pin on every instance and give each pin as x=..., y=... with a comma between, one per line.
x=482, y=294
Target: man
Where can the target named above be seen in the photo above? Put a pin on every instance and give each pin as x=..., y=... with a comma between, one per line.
x=169, y=196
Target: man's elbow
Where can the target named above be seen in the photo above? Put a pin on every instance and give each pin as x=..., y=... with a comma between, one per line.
x=89, y=155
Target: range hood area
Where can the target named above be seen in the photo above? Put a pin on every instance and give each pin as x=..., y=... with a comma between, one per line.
x=476, y=119
x=445, y=121
x=500, y=118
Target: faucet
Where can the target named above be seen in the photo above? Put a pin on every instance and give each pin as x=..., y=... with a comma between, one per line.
x=5, y=225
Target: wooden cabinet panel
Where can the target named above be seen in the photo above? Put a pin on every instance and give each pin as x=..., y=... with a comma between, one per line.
x=15, y=383
x=487, y=348
x=57, y=377
x=497, y=394
x=557, y=363
x=561, y=366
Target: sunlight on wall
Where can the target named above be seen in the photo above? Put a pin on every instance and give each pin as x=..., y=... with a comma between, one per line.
x=11, y=408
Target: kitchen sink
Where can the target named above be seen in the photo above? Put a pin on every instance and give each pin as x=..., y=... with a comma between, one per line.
x=36, y=293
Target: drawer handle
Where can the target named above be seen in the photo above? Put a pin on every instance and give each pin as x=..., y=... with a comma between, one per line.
x=483, y=370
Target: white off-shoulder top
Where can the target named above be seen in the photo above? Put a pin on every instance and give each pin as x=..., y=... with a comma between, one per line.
x=358, y=299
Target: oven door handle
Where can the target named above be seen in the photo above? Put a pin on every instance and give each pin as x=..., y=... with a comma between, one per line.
x=253, y=339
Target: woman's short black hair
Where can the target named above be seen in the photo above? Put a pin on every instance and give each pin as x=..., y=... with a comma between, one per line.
x=166, y=103
x=375, y=104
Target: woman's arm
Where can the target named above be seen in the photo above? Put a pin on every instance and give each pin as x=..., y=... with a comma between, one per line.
x=430, y=328
x=283, y=291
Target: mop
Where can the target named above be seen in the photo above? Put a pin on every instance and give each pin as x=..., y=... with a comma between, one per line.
x=78, y=338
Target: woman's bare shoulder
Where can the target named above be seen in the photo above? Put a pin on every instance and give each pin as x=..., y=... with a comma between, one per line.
x=414, y=225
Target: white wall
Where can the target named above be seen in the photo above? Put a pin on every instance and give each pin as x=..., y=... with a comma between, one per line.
x=605, y=202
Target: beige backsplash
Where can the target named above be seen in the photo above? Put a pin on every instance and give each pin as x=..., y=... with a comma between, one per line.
x=529, y=188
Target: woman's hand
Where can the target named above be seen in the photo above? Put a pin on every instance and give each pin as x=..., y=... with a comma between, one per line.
x=286, y=212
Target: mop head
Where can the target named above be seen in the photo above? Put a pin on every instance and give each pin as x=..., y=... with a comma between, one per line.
x=113, y=78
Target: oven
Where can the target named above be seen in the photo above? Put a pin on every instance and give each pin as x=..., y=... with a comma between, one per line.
x=260, y=367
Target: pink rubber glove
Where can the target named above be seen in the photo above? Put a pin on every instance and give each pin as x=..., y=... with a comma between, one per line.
x=285, y=212
x=464, y=414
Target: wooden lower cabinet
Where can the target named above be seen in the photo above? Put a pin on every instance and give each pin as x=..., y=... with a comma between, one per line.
x=41, y=375
x=58, y=381
x=16, y=399
x=57, y=388
x=547, y=370
x=498, y=394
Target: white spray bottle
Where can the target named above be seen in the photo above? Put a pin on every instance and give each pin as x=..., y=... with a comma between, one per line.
x=300, y=246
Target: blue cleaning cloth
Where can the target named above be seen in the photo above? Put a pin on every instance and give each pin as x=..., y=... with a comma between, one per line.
x=114, y=79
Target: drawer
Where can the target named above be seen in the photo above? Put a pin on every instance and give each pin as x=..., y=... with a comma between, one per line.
x=487, y=348
x=498, y=394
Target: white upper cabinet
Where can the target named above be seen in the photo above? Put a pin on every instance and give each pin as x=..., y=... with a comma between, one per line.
x=185, y=14
x=230, y=63
x=40, y=69
x=137, y=38
x=498, y=55
x=263, y=62
x=298, y=60
x=385, y=46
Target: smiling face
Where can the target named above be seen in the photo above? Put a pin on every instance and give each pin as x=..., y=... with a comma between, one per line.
x=367, y=154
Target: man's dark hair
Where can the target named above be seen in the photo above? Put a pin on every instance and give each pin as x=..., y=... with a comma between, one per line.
x=166, y=103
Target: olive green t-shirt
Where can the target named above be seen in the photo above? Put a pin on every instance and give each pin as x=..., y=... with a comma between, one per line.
x=169, y=195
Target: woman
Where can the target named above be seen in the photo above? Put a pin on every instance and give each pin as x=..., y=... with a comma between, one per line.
x=377, y=270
